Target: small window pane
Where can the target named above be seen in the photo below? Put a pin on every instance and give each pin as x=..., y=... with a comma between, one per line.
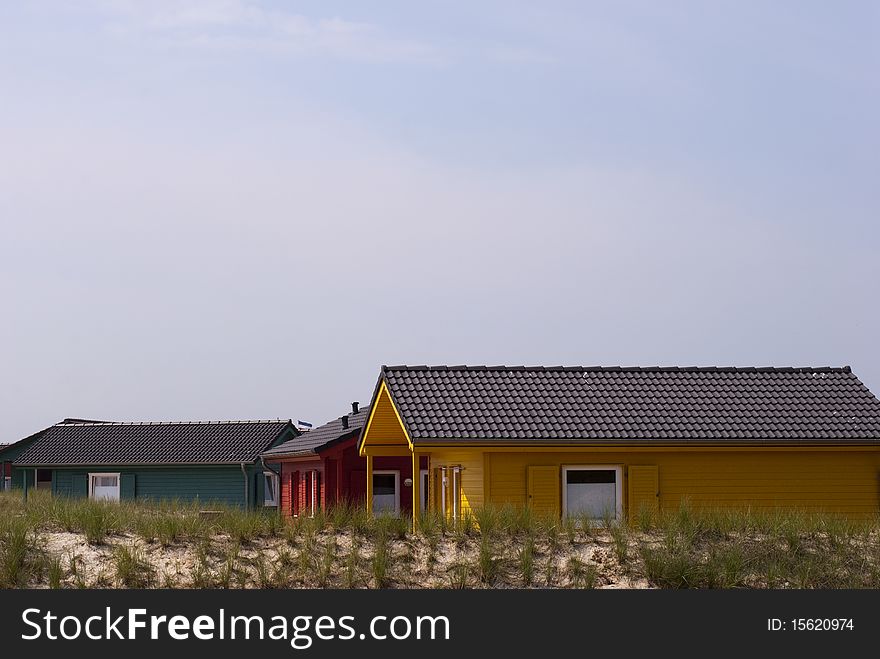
x=270, y=487
x=591, y=492
x=383, y=484
x=591, y=476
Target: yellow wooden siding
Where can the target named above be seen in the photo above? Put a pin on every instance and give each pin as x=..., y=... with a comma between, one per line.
x=542, y=489
x=643, y=489
x=383, y=426
x=471, y=486
x=437, y=488
x=810, y=480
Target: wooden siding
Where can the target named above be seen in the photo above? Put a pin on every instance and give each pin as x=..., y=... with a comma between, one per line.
x=800, y=477
x=353, y=483
x=384, y=427
x=643, y=489
x=471, y=463
x=294, y=484
x=542, y=489
x=220, y=484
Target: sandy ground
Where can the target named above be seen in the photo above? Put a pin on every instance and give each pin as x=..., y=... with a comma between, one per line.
x=327, y=560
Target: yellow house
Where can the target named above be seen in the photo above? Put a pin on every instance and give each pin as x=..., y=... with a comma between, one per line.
x=600, y=441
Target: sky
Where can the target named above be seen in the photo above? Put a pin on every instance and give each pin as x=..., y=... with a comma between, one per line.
x=241, y=209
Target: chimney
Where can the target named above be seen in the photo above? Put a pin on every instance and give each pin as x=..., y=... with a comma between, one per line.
x=345, y=422
x=354, y=407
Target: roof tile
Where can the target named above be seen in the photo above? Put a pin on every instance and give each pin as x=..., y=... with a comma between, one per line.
x=152, y=443
x=634, y=403
x=311, y=441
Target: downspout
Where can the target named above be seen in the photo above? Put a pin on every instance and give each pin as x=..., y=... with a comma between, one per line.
x=246, y=488
x=267, y=467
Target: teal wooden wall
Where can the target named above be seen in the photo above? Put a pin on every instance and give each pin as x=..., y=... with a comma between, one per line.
x=224, y=484
x=10, y=453
x=213, y=484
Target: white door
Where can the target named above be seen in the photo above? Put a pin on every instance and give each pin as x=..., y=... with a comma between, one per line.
x=105, y=487
x=386, y=492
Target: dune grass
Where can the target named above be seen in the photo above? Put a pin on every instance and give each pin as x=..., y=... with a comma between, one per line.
x=504, y=546
x=760, y=549
x=133, y=569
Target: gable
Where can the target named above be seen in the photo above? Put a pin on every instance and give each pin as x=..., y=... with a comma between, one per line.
x=385, y=427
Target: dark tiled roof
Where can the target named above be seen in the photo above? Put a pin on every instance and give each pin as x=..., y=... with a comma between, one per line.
x=21, y=442
x=635, y=404
x=311, y=441
x=105, y=443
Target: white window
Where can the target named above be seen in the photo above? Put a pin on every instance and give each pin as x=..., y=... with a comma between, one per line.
x=7, y=483
x=592, y=490
x=386, y=492
x=270, y=496
x=423, y=489
x=104, y=487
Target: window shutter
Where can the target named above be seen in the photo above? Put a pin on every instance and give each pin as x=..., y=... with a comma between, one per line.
x=643, y=490
x=543, y=489
x=126, y=487
x=79, y=486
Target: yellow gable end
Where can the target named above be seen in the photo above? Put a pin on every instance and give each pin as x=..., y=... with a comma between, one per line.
x=384, y=427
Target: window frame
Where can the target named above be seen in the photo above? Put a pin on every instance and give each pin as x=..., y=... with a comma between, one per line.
x=618, y=486
x=396, y=473
x=93, y=474
x=273, y=477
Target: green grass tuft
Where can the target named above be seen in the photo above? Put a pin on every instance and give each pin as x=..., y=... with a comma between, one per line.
x=133, y=569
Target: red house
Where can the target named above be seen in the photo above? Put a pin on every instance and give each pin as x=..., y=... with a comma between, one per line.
x=322, y=467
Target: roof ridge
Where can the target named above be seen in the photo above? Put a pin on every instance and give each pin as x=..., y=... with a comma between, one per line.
x=71, y=422
x=627, y=369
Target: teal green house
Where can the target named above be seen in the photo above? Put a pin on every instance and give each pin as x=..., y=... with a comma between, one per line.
x=210, y=462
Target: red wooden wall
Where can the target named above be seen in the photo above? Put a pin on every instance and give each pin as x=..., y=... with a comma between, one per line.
x=350, y=484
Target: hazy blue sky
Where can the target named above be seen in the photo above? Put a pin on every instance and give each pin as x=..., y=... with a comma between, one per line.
x=241, y=209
